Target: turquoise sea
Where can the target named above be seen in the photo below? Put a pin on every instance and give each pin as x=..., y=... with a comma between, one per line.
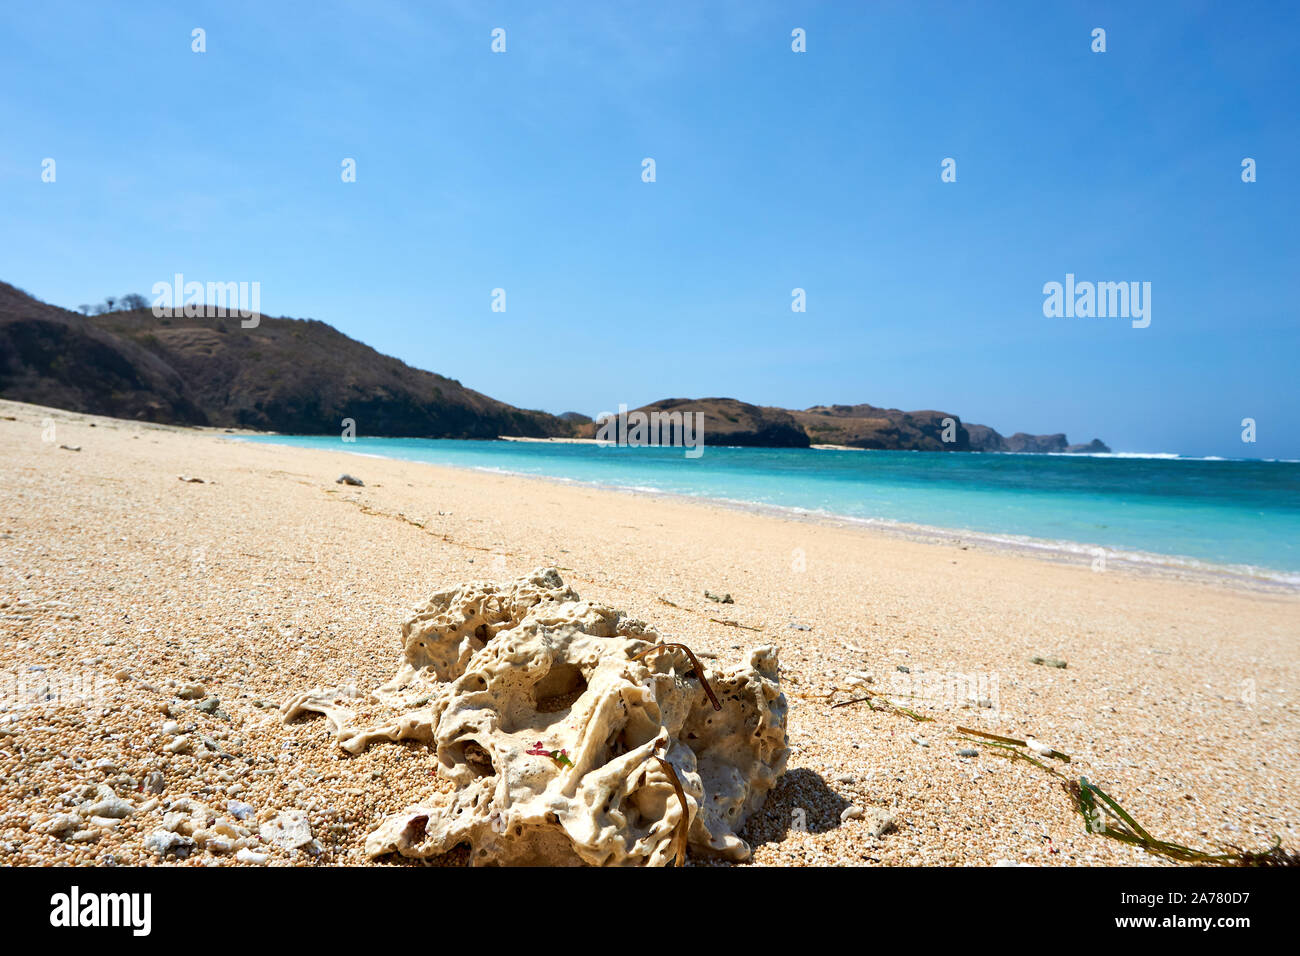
x=1243, y=514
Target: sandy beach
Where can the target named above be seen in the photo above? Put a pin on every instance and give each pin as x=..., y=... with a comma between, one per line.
x=155, y=595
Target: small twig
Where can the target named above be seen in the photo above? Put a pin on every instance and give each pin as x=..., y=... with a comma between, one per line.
x=734, y=624
x=683, y=828
x=267, y=557
x=699, y=671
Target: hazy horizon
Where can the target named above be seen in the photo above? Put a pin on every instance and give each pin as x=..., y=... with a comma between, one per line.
x=775, y=170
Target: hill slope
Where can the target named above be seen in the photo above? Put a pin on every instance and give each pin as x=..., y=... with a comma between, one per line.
x=49, y=356
x=289, y=375
x=728, y=421
x=865, y=426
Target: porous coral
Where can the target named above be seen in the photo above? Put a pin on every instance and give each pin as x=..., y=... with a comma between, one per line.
x=570, y=734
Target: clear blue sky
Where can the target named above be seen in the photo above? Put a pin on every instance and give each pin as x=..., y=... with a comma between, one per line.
x=775, y=170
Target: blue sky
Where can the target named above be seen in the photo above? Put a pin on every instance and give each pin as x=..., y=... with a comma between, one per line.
x=775, y=170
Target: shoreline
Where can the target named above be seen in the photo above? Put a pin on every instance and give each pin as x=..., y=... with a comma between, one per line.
x=1068, y=552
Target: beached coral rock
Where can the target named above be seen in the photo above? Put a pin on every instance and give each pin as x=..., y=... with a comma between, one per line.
x=568, y=732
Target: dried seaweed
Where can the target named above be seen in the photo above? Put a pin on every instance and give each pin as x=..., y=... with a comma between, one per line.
x=1096, y=806
x=1055, y=754
x=1103, y=815
x=886, y=705
x=1012, y=753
